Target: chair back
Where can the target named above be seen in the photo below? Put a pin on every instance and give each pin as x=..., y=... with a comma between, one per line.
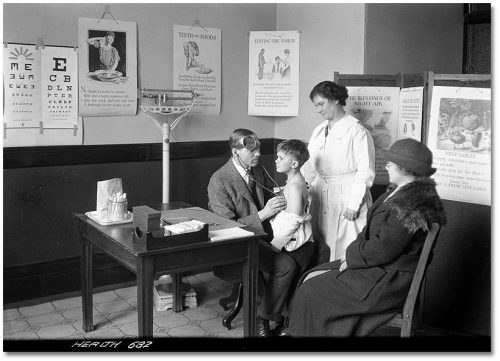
x=408, y=325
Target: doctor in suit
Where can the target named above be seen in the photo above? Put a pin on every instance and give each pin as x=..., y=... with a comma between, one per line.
x=241, y=191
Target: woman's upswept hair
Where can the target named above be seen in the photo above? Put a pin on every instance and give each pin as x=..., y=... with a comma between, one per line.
x=330, y=90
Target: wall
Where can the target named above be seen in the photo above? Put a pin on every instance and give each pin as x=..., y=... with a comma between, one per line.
x=41, y=246
x=367, y=39
x=331, y=39
x=57, y=24
x=414, y=38
x=407, y=38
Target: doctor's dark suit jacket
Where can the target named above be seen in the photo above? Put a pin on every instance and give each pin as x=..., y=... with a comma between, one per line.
x=230, y=197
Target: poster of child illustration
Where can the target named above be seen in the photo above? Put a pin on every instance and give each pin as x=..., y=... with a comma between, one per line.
x=275, y=68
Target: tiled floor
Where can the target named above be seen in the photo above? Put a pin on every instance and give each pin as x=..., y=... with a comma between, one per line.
x=115, y=316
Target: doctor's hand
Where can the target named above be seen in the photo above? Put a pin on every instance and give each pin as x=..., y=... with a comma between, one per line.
x=273, y=206
x=350, y=214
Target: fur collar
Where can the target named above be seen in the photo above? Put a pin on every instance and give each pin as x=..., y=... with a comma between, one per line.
x=418, y=205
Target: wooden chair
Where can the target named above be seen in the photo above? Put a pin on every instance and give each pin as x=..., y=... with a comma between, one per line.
x=236, y=299
x=407, y=320
x=233, y=274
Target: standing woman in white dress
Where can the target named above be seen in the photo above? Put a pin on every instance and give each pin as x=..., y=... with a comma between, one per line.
x=340, y=172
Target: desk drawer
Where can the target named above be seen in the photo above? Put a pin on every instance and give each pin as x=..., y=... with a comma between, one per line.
x=196, y=258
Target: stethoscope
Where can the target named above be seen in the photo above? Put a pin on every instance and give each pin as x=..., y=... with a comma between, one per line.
x=251, y=144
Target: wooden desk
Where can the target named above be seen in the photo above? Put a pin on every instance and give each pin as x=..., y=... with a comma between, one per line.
x=117, y=242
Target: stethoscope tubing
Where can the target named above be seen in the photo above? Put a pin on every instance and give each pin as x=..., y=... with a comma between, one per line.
x=260, y=184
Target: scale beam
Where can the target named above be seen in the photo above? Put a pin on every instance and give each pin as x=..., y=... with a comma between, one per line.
x=159, y=112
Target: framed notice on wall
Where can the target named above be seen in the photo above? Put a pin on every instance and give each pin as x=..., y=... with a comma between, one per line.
x=460, y=139
x=107, y=67
x=273, y=73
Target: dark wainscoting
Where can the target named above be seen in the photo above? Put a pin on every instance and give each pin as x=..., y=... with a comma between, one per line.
x=22, y=157
x=57, y=279
x=43, y=186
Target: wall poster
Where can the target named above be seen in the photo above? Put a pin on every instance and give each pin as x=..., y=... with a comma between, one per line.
x=107, y=62
x=22, y=92
x=411, y=102
x=273, y=73
x=197, y=66
x=377, y=109
x=59, y=84
x=460, y=139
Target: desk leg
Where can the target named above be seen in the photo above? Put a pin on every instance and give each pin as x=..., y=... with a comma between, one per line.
x=86, y=283
x=145, y=274
x=177, y=293
x=250, y=284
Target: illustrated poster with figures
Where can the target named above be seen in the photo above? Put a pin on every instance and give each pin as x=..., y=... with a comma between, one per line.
x=273, y=77
x=59, y=80
x=460, y=140
x=410, y=113
x=22, y=86
x=107, y=67
x=197, y=66
x=377, y=109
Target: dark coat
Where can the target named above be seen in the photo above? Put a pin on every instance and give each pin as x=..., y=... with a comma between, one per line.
x=381, y=263
x=230, y=197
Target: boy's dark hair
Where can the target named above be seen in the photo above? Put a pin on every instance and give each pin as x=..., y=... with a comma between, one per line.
x=296, y=148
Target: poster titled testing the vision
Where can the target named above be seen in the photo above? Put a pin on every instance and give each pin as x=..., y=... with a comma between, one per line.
x=460, y=140
x=273, y=76
x=377, y=109
x=197, y=66
x=107, y=67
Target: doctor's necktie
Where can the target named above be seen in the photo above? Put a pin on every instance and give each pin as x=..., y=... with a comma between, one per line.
x=253, y=188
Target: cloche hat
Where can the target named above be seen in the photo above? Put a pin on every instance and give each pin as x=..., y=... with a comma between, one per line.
x=410, y=154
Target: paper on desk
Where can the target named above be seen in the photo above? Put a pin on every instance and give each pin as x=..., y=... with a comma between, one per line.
x=214, y=221
x=105, y=189
x=228, y=233
x=184, y=227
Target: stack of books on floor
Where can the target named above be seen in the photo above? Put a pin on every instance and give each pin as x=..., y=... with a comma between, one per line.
x=163, y=296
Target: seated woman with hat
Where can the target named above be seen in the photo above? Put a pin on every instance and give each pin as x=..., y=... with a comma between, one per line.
x=341, y=298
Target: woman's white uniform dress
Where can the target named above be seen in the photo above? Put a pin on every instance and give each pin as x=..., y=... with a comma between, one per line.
x=340, y=172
